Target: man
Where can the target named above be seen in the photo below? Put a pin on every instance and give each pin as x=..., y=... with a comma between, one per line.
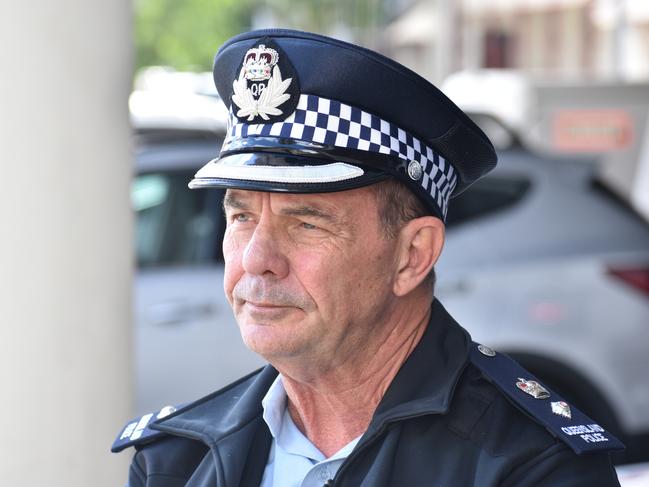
x=339, y=165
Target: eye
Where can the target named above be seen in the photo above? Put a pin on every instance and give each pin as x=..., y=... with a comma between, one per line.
x=308, y=226
x=239, y=218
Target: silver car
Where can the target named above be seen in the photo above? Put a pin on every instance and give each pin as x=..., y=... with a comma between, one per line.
x=540, y=262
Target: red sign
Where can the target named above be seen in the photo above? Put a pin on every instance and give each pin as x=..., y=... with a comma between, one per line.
x=592, y=130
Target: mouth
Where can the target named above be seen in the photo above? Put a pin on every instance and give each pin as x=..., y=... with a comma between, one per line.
x=266, y=311
x=265, y=305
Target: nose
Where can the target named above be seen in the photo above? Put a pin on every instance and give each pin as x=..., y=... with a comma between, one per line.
x=263, y=254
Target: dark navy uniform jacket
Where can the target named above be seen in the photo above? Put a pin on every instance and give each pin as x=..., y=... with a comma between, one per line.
x=444, y=421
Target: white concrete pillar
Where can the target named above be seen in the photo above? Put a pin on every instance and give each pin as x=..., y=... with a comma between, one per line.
x=536, y=40
x=472, y=41
x=636, y=61
x=444, y=39
x=65, y=250
x=570, y=44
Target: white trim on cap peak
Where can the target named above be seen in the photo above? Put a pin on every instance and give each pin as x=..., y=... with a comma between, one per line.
x=326, y=173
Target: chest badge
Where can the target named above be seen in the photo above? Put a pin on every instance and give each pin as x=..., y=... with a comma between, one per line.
x=262, y=92
x=533, y=388
x=561, y=408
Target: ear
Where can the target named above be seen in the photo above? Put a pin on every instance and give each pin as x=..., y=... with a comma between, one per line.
x=420, y=244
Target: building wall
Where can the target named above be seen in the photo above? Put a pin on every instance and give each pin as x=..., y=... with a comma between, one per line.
x=578, y=41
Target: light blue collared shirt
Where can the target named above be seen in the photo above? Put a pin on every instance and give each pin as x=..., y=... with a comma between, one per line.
x=293, y=460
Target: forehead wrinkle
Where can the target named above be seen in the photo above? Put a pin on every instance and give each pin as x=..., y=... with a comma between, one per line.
x=315, y=207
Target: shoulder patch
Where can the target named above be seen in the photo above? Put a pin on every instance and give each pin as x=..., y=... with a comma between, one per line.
x=137, y=431
x=545, y=406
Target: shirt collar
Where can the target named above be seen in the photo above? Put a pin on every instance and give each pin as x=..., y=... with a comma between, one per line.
x=286, y=433
x=274, y=405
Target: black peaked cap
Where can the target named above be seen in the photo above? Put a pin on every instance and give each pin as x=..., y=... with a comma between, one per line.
x=360, y=77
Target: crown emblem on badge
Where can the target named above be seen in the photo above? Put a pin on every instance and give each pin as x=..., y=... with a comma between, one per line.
x=258, y=63
x=259, y=90
x=532, y=388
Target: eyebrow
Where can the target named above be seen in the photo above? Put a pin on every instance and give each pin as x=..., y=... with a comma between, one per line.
x=231, y=201
x=308, y=210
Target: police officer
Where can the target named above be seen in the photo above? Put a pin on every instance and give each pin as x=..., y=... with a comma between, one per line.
x=339, y=164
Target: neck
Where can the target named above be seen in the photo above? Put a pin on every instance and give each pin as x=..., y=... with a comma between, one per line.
x=336, y=406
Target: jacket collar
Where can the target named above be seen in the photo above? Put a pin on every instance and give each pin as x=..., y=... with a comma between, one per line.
x=424, y=385
x=427, y=379
x=223, y=412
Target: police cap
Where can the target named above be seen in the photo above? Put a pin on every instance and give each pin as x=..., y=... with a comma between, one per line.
x=312, y=114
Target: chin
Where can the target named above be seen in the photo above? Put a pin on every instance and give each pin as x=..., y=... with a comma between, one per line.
x=270, y=341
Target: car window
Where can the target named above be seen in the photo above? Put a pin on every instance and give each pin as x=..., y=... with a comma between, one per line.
x=175, y=225
x=486, y=196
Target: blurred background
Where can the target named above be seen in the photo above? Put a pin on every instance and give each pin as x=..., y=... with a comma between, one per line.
x=112, y=268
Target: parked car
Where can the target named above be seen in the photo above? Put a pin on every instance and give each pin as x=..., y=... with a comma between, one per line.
x=545, y=264
x=186, y=340
x=540, y=261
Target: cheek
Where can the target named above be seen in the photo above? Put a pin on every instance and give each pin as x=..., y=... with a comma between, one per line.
x=329, y=277
x=318, y=276
x=372, y=266
x=232, y=253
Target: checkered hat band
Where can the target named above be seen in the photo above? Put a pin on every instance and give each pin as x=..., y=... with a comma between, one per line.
x=333, y=123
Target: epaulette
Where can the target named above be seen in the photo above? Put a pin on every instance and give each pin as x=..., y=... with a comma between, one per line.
x=137, y=431
x=545, y=406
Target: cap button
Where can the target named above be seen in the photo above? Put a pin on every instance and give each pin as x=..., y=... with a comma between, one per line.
x=414, y=170
x=484, y=350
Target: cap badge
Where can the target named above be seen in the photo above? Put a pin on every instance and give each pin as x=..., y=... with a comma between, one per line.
x=260, y=91
x=532, y=388
x=561, y=408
